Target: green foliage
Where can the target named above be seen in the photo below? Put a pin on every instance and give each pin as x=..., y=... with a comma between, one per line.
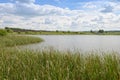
x=101, y=31
x=54, y=65
x=68, y=31
x=19, y=32
x=57, y=32
x=9, y=30
x=3, y=32
x=13, y=40
x=31, y=32
x=16, y=64
x=91, y=31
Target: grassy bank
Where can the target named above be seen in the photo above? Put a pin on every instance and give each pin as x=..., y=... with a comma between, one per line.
x=14, y=40
x=60, y=32
x=54, y=65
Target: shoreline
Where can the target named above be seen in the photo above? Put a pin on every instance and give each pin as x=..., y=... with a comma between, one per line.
x=16, y=40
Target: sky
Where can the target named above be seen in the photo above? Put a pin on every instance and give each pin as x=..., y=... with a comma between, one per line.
x=72, y=15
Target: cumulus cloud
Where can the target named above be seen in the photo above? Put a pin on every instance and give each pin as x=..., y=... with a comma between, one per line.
x=6, y=8
x=90, y=5
x=27, y=14
x=28, y=10
x=107, y=9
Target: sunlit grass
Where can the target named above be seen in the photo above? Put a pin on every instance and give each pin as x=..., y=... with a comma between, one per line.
x=13, y=40
x=55, y=65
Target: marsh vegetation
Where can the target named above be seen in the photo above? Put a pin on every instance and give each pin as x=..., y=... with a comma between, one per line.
x=15, y=40
x=55, y=65
x=17, y=64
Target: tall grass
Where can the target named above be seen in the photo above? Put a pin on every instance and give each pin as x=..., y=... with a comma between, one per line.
x=55, y=65
x=13, y=40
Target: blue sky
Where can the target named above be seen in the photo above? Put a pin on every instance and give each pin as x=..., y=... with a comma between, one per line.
x=62, y=3
x=72, y=4
x=74, y=15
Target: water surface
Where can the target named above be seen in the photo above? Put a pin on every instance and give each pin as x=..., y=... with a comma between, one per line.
x=78, y=42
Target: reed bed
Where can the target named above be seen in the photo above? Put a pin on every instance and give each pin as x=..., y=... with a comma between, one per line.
x=14, y=40
x=54, y=65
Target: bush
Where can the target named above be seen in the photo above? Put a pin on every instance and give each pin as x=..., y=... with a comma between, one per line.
x=3, y=32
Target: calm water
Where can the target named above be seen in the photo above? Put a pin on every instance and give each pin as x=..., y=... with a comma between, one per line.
x=78, y=42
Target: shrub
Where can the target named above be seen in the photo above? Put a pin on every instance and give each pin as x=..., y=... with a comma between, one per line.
x=3, y=32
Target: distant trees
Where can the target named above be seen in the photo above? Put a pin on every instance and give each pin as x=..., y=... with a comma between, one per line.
x=68, y=31
x=101, y=31
x=57, y=31
x=91, y=31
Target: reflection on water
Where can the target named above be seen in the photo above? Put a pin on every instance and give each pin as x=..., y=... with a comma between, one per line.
x=79, y=42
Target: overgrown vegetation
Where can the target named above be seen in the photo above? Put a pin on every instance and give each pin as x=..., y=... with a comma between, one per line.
x=3, y=32
x=13, y=40
x=8, y=30
x=54, y=65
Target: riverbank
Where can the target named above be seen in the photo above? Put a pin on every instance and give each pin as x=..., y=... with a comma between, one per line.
x=55, y=65
x=17, y=64
x=15, y=40
x=59, y=32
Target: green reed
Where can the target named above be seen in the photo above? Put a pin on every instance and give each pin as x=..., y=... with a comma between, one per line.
x=54, y=65
x=14, y=40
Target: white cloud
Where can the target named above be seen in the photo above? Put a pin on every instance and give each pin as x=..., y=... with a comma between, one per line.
x=26, y=14
x=24, y=1
x=90, y=5
x=6, y=8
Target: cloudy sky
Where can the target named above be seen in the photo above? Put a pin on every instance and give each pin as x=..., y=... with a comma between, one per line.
x=76, y=15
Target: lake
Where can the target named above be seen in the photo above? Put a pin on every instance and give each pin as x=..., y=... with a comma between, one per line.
x=78, y=42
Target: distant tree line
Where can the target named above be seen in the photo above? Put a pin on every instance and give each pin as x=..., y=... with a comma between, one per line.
x=24, y=30
x=18, y=29
x=99, y=31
